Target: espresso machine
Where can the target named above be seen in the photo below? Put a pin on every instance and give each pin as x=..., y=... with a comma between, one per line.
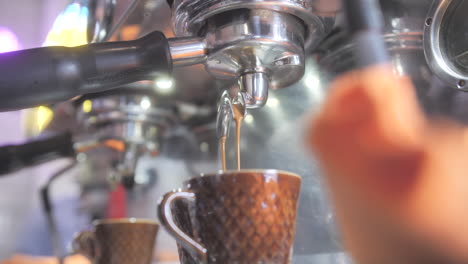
x=279, y=55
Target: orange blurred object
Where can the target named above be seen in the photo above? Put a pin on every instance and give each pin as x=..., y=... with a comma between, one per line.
x=399, y=182
x=117, y=145
x=113, y=144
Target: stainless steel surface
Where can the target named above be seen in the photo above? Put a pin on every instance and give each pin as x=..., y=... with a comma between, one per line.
x=445, y=42
x=261, y=43
x=187, y=51
x=405, y=23
x=240, y=36
x=137, y=120
x=254, y=88
x=256, y=41
x=189, y=16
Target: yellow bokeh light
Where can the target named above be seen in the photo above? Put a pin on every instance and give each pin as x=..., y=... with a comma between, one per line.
x=43, y=117
x=87, y=106
x=70, y=27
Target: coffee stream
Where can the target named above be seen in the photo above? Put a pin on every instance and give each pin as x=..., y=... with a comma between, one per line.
x=238, y=114
x=222, y=142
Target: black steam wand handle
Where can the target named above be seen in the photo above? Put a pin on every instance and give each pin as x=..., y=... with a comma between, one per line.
x=52, y=74
x=365, y=25
x=16, y=157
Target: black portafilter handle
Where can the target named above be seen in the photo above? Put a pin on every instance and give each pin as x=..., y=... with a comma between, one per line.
x=49, y=75
x=365, y=24
x=16, y=157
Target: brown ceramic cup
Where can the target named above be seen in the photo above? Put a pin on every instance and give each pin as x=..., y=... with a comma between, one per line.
x=234, y=217
x=118, y=241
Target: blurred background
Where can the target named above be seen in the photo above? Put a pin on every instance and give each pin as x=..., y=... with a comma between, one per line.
x=23, y=24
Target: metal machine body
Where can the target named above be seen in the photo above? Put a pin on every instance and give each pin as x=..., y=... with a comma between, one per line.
x=406, y=34
x=260, y=44
x=445, y=42
x=134, y=121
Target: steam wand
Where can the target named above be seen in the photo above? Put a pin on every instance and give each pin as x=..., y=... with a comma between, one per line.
x=48, y=211
x=365, y=25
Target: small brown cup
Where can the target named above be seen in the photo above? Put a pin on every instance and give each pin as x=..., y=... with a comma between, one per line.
x=234, y=217
x=118, y=241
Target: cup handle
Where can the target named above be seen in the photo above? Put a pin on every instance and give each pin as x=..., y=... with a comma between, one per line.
x=85, y=243
x=166, y=219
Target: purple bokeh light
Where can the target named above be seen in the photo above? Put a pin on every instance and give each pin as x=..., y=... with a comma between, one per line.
x=8, y=40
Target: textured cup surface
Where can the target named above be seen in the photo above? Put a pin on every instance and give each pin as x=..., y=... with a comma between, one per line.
x=121, y=241
x=241, y=217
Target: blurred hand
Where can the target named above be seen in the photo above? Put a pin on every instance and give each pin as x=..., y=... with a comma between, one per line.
x=399, y=182
x=22, y=259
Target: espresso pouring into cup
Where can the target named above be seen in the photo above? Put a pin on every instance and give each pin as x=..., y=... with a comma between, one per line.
x=243, y=216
